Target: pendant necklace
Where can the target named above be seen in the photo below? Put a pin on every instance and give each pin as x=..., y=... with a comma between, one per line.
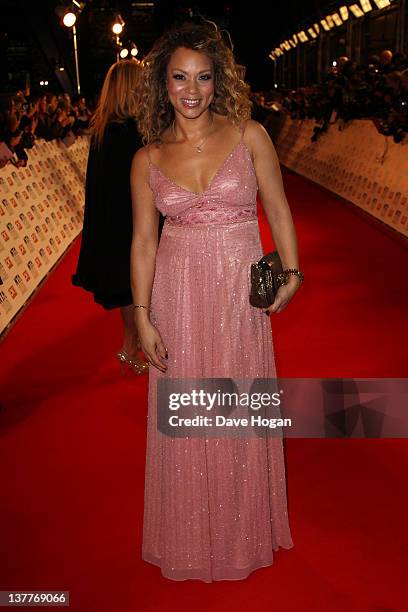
x=198, y=148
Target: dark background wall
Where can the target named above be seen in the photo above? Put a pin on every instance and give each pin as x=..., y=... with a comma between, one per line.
x=33, y=44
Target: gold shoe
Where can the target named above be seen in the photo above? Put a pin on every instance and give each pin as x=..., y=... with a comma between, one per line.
x=135, y=363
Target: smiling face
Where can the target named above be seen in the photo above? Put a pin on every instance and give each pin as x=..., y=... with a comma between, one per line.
x=190, y=82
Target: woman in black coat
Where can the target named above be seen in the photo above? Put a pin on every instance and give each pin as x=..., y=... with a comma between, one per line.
x=104, y=260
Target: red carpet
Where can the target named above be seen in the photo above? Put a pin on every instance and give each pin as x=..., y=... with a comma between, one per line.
x=73, y=441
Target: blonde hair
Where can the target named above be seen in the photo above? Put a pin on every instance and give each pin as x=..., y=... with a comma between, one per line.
x=155, y=112
x=117, y=100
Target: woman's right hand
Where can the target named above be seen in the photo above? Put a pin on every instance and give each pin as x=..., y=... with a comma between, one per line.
x=152, y=345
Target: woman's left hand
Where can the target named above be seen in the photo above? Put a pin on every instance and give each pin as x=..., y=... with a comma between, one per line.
x=283, y=296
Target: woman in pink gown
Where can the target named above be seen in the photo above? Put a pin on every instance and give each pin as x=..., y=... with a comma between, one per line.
x=214, y=508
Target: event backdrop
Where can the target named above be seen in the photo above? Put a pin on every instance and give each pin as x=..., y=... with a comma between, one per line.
x=41, y=212
x=356, y=163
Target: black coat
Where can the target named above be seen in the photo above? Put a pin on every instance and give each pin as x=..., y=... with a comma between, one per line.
x=104, y=260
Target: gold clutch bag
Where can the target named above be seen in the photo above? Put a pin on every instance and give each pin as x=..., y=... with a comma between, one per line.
x=266, y=278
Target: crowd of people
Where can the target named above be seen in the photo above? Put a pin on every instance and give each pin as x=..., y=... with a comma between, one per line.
x=23, y=118
x=377, y=91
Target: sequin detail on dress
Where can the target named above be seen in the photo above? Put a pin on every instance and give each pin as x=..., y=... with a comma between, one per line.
x=214, y=509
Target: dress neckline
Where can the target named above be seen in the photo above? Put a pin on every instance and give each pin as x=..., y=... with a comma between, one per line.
x=222, y=166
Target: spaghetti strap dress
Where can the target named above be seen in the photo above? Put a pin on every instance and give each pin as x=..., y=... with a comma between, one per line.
x=214, y=508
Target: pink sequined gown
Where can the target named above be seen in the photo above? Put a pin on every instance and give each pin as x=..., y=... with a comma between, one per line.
x=214, y=509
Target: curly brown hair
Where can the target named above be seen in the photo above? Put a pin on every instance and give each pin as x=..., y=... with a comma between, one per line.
x=155, y=112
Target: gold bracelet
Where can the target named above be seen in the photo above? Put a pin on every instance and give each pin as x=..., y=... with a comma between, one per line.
x=295, y=272
x=283, y=276
x=141, y=306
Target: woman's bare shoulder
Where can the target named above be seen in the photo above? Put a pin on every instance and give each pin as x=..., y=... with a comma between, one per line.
x=140, y=162
x=144, y=155
x=226, y=129
x=254, y=131
x=256, y=137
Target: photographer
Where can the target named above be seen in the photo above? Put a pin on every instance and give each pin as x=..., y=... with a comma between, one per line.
x=13, y=140
x=82, y=114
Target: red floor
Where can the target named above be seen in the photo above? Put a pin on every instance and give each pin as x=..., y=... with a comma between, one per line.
x=73, y=441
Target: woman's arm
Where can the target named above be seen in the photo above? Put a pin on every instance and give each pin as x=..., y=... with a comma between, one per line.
x=143, y=256
x=276, y=207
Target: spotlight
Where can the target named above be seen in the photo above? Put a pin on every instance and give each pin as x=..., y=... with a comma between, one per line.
x=45, y=82
x=118, y=25
x=69, y=19
x=117, y=28
x=134, y=50
x=41, y=83
x=124, y=53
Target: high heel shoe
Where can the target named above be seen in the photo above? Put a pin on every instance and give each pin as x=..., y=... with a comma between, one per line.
x=135, y=363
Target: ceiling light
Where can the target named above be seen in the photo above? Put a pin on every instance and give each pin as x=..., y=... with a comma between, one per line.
x=366, y=6
x=325, y=25
x=356, y=10
x=344, y=13
x=382, y=3
x=337, y=19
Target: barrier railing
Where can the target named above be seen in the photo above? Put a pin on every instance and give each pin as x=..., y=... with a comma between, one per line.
x=41, y=213
x=357, y=163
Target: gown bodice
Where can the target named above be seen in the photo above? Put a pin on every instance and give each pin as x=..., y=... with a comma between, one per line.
x=229, y=198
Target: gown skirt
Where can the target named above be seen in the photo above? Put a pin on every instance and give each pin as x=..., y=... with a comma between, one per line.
x=214, y=508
